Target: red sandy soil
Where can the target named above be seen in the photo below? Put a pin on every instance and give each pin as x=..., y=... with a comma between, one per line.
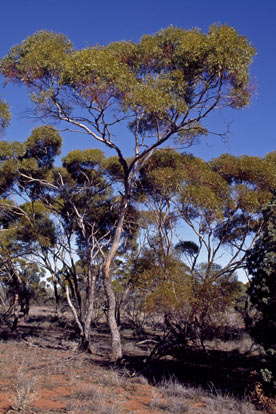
x=60, y=378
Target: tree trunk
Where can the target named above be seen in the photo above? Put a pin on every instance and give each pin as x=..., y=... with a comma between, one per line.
x=84, y=318
x=116, y=346
x=26, y=309
x=15, y=312
x=57, y=298
x=116, y=351
x=89, y=308
x=118, y=314
x=75, y=314
x=18, y=287
x=120, y=305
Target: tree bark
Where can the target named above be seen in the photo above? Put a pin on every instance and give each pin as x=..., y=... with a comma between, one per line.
x=85, y=316
x=15, y=312
x=88, y=314
x=57, y=298
x=116, y=347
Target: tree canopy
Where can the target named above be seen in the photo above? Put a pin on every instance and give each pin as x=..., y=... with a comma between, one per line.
x=164, y=85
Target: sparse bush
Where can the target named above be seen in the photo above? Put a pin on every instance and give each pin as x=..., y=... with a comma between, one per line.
x=24, y=394
x=91, y=393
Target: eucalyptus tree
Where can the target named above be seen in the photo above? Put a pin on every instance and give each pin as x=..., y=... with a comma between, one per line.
x=21, y=212
x=20, y=279
x=11, y=251
x=60, y=227
x=220, y=203
x=11, y=284
x=162, y=87
x=86, y=226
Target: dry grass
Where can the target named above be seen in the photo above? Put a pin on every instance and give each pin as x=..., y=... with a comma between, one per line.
x=176, y=399
x=91, y=393
x=39, y=375
x=111, y=379
x=243, y=345
x=24, y=394
x=74, y=384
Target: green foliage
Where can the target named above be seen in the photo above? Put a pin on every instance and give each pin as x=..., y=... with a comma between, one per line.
x=228, y=186
x=36, y=229
x=26, y=227
x=28, y=169
x=252, y=179
x=10, y=153
x=162, y=75
x=85, y=168
x=42, y=54
x=114, y=168
x=33, y=158
x=5, y=115
x=44, y=144
x=21, y=230
x=163, y=282
x=10, y=150
x=89, y=158
x=262, y=292
x=214, y=291
x=162, y=174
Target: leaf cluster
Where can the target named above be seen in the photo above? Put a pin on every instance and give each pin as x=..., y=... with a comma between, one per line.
x=262, y=292
x=162, y=77
x=5, y=114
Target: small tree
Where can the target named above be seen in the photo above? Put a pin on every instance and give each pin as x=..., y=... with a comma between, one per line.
x=262, y=292
x=57, y=223
x=20, y=280
x=221, y=202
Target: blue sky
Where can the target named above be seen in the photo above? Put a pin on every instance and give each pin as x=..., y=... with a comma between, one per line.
x=88, y=22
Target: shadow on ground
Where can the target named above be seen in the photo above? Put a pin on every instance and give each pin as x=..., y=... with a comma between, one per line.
x=222, y=371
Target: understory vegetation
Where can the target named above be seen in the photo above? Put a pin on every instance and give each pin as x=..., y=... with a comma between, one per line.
x=43, y=372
